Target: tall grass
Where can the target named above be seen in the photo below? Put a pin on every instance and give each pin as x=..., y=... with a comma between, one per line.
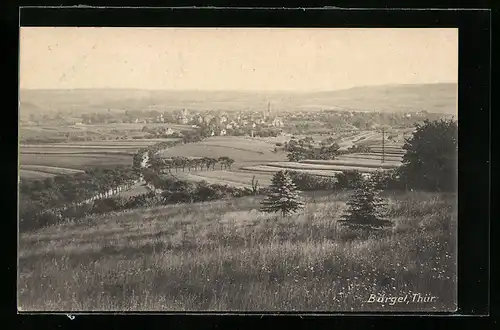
x=227, y=256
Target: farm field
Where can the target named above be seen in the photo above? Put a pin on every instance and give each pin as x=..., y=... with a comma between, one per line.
x=131, y=126
x=74, y=161
x=243, y=150
x=389, y=151
x=362, y=162
x=107, y=144
x=98, y=132
x=227, y=256
x=254, y=156
x=98, y=144
x=49, y=169
x=371, y=163
x=307, y=166
x=241, y=143
x=371, y=156
x=100, y=128
x=315, y=137
x=251, y=155
x=79, y=155
x=233, y=178
x=36, y=175
x=274, y=169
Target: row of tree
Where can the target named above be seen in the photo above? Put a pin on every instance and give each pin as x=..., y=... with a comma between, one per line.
x=159, y=164
x=150, y=151
x=149, y=157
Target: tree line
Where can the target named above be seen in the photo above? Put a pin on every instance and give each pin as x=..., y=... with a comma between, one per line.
x=149, y=157
x=159, y=164
x=38, y=196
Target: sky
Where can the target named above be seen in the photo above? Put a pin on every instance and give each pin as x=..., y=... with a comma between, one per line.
x=242, y=59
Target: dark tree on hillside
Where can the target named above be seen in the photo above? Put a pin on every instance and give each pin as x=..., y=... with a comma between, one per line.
x=189, y=163
x=365, y=208
x=255, y=186
x=222, y=161
x=156, y=164
x=212, y=162
x=206, y=162
x=431, y=159
x=295, y=156
x=328, y=151
x=283, y=196
x=229, y=162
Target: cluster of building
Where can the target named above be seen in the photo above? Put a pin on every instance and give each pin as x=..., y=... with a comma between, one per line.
x=221, y=122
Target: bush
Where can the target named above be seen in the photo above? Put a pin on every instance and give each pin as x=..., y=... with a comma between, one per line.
x=387, y=180
x=359, y=148
x=308, y=182
x=106, y=205
x=349, y=179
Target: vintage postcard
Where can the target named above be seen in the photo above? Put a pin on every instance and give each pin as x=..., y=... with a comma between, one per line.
x=237, y=169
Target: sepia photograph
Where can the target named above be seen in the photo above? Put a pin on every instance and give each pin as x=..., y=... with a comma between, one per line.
x=237, y=169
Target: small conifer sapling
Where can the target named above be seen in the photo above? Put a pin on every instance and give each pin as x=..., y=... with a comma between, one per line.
x=365, y=208
x=283, y=196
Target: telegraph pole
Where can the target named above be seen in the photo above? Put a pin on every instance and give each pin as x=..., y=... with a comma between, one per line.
x=383, y=144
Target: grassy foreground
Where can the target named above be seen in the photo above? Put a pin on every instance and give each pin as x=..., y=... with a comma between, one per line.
x=227, y=256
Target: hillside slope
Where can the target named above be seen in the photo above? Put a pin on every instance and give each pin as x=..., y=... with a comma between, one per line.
x=226, y=255
x=439, y=98
x=435, y=98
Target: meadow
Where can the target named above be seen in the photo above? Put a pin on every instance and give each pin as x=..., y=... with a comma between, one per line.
x=371, y=156
x=234, y=178
x=68, y=157
x=97, y=132
x=227, y=256
x=33, y=174
x=244, y=150
x=256, y=157
x=334, y=164
x=74, y=161
x=253, y=156
x=49, y=169
x=273, y=169
x=374, y=163
x=388, y=151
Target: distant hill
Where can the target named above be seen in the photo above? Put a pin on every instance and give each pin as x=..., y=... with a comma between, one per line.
x=436, y=98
